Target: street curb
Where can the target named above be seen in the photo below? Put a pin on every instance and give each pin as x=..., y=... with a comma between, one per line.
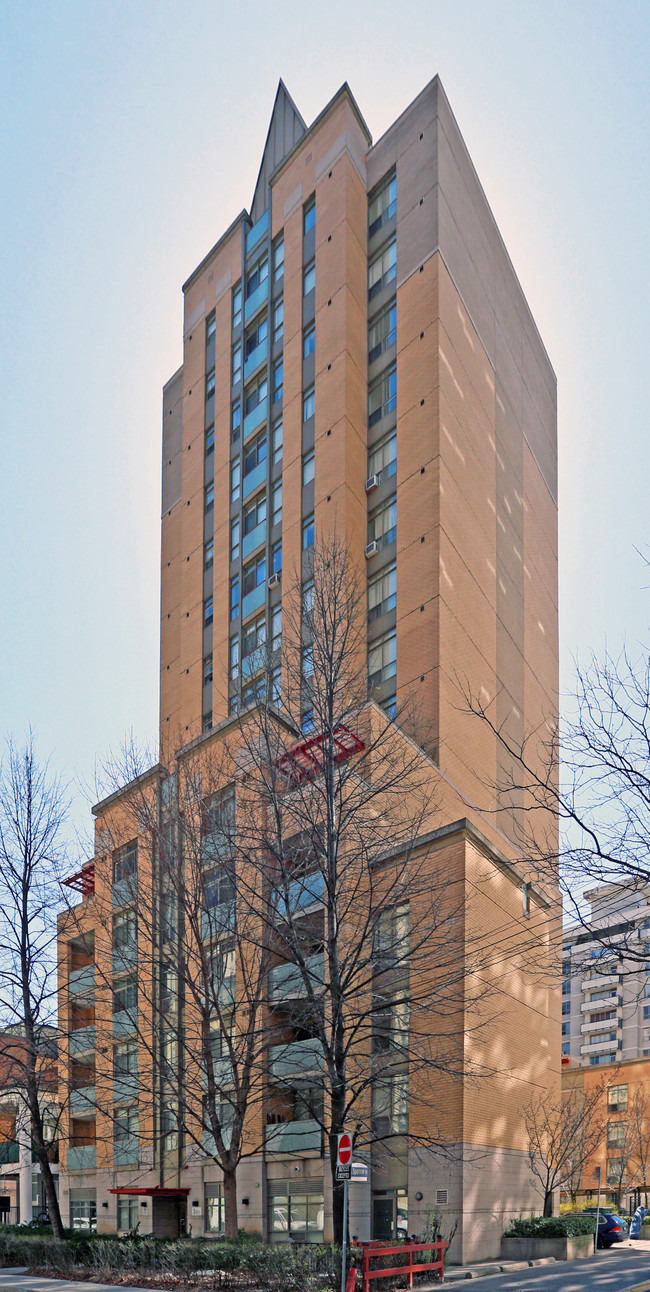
x=484, y=1271
x=641, y=1287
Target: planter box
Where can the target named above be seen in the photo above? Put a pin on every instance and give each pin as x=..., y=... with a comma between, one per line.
x=563, y=1249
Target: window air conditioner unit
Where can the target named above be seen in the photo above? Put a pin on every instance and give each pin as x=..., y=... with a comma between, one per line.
x=372, y=483
x=274, y=580
x=371, y=549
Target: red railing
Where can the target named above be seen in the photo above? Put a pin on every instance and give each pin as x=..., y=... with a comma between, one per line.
x=374, y=1251
x=84, y=880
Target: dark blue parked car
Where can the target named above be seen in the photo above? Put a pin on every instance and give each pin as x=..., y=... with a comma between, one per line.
x=611, y=1228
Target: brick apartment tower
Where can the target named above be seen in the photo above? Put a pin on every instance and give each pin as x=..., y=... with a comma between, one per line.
x=358, y=353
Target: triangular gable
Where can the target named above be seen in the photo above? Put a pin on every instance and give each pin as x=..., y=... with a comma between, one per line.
x=285, y=129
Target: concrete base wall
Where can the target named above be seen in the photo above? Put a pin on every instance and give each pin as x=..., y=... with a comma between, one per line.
x=563, y=1249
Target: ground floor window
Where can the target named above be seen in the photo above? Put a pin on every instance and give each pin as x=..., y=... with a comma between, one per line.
x=127, y=1214
x=83, y=1213
x=296, y=1217
x=215, y=1209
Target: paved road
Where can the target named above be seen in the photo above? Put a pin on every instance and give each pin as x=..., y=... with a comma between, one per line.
x=609, y=1271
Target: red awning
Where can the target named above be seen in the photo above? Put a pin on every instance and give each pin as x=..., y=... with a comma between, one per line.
x=84, y=880
x=156, y=1191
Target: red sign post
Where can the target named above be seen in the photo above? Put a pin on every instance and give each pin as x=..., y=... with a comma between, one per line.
x=344, y=1172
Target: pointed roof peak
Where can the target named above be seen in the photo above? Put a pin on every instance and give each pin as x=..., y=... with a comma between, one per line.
x=286, y=128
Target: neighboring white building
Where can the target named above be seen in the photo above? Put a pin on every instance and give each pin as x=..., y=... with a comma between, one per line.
x=606, y=978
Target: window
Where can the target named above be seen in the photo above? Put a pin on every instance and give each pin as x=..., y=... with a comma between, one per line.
x=236, y=363
x=309, y=215
x=255, y=513
x=602, y=1036
x=83, y=1214
x=307, y=720
x=566, y=987
x=278, y=320
x=236, y=306
x=382, y=204
x=125, y=929
x=382, y=395
x=254, y=574
x=617, y=1098
x=382, y=523
x=646, y=1011
x=125, y=1059
x=209, y=385
x=254, y=453
x=308, y=467
x=382, y=269
x=308, y=404
x=566, y=1047
x=125, y=862
x=601, y=1058
x=566, y=1029
x=296, y=1217
x=278, y=259
x=234, y=597
x=566, y=1006
x=276, y=686
x=255, y=335
x=208, y=554
x=209, y=441
x=127, y=1211
x=215, y=1209
x=258, y=275
x=390, y=1105
x=209, y=497
x=253, y=692
x=616, y=1132
x=277, y=442
x=276, y=558
x=254, y=639
x=308, y=532
x=278, y=380
x=169, y=1126
x=602, y=1016
x=382, y=460
x=125, y=996
x=382, y=331
x=235, y=479
x=210, y=327
x=233, y=658
x=235, y=420
x=207, y=721
x=207, y=670
x=276, y=628
x=234, y=539
x=382, y=593
x=382, y=659
x=308, y=598
x=309, y=278
x=208, y=611
x=307, y=662
x=255, y=393
x=309, y=340
x=220, y=886
x=276, y=503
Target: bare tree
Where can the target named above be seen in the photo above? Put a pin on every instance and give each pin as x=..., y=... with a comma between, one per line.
x=562, y=1134
x=33, y=810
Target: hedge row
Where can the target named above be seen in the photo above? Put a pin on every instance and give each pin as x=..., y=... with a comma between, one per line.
x=550, y=1226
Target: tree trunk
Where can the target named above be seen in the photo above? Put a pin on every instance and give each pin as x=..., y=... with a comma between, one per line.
x=230, y=1199
x=548, y=1202
x=50, y=1192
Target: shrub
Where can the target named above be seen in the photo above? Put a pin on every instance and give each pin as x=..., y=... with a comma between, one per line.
x=550, y=1226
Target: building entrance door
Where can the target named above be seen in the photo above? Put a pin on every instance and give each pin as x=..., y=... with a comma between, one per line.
x=383, y=1217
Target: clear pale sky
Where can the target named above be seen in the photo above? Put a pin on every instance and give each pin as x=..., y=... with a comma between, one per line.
x=131, y=136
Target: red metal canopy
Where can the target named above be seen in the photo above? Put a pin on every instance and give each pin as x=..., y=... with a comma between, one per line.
x=84, y=880
x=303, y=761
x=156, y=1191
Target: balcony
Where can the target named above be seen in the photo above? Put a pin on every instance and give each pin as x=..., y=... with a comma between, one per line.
x=255, y=358
x=286, y=980
x=81, y=980
x=253, y=600
x=256, y=300
x=125, y=1021
x=599, y=1047
x=83, y=1102
x=296, y=1061
x=252, y=420
x=82, y=1157
x=126, y=1087
x=605, y=1025
x=257, y=476
x=125, y=958
x=257, y=231
x=124, y=891
x=592, y=984
x=298, y=1138
x=83, y=1039
x=254, y=539
x=126, y=1151
x=252, y=663
x=602, y=1002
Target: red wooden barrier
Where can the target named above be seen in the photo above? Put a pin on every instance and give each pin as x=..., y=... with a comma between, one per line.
x=372, y=1251
x=351, y=1280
